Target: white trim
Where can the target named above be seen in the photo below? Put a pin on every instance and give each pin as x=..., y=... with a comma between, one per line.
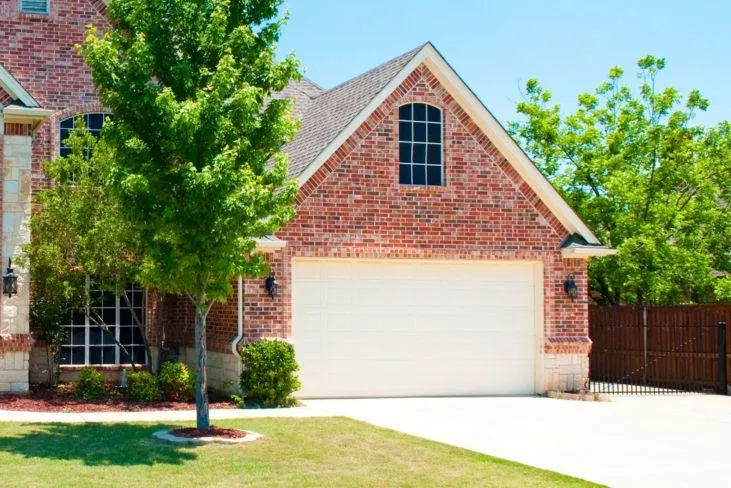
x=360, y=118
x=587, y=252
x=540, y=329
x=239, y=317
x=13, y=113
x=484, y=120
x=269, y=245
x=15, y=89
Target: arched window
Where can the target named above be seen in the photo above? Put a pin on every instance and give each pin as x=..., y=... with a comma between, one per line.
x=94, y=123
x=420, y=145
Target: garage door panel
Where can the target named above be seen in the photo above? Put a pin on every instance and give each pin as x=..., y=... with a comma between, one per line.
x=403, y=328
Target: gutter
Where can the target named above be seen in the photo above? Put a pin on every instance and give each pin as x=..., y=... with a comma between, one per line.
x=239, y=324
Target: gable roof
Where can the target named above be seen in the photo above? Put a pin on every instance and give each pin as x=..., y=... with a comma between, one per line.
x=329, y=117
x=326, y=113
x=16, y=91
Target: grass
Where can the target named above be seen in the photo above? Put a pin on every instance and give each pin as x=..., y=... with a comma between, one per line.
x=296, y=452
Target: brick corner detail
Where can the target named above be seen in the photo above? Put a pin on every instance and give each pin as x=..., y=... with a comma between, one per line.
x=16, y=343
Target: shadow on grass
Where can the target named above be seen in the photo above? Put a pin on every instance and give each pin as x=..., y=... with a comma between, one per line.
x=94, y=444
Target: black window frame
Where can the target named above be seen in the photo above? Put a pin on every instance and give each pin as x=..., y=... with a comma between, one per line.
x=94, y=122
x=421, y=141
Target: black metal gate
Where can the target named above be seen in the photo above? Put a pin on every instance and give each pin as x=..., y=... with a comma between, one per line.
x=658, y=359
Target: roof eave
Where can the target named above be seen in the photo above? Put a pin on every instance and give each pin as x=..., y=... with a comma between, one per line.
x=25, y=115
x=15, y=89
x=586, y=252
x=270, y=244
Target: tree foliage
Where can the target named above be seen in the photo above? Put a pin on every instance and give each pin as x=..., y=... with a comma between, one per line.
x=194, y=147
x=80, y=241
x=649, y=182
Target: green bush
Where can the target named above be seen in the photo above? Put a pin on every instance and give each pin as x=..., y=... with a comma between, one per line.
x=143, y=387
x=269, y=375
x=176, y=381
x=91, y=384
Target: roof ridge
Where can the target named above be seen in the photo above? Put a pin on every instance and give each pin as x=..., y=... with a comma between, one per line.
x=365, y=73
x=313, y=82
x=296, y=88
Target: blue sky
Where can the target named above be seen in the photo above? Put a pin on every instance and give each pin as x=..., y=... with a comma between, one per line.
x=497, y=45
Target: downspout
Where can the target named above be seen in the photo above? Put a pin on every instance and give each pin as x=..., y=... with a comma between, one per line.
x=240, y=327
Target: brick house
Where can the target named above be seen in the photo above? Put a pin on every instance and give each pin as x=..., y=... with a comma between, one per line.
x=428, y=255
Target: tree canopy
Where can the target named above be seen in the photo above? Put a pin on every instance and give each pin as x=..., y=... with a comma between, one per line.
x=645, y=178
x=82, y=246
x=194, y=147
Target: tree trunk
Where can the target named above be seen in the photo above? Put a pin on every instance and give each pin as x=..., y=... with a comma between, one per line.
x=51, y=366
x=143, y=332
x=201, y=386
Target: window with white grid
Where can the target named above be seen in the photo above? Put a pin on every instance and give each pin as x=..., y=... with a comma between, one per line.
x=86, y=343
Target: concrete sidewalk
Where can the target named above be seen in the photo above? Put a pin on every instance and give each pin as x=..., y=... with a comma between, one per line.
x=157, y=416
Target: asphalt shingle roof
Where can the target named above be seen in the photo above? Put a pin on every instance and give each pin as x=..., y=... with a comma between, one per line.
x=326, y=113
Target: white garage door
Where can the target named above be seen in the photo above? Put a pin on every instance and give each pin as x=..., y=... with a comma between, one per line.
x=413, y=328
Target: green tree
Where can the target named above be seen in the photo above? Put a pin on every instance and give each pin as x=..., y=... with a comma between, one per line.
x=649, y=182
x=80, y=242
x=47, y=318
x=195, y=142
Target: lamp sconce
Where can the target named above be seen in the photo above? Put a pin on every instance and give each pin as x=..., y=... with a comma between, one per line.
x=272, y=285
x=10, y=281
x=569, y=286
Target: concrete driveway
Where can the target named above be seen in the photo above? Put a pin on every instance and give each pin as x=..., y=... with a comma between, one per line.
x=631, y=441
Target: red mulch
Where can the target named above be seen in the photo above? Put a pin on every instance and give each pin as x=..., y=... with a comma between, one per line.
x=44, y=399
x=212, y=431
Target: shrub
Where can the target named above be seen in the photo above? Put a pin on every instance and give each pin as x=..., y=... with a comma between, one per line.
x=143, y=387
x=91, y=384
x=176, y=381
x=269, y=375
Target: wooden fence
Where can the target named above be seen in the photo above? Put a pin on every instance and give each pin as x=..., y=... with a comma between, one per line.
x=659, y=347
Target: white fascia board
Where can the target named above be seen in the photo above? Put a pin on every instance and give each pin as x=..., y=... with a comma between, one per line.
x=15, y=89
x=13, y=113
x=587, y=252
x=507, y=146
x=485, y=121
x=269, y=245
x=360, y=118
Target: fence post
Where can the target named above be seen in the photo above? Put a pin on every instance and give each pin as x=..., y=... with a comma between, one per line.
x=722, y=379
x=644, y=343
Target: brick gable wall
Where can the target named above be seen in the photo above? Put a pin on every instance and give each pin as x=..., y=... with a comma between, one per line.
x=38, y=50
x=354, y=207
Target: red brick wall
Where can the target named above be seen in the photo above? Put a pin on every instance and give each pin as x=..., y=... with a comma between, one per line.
x=354, y=207
x=38, y=50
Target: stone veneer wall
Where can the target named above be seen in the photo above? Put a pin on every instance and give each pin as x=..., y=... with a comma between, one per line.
x=15, y=339
x=224, y=369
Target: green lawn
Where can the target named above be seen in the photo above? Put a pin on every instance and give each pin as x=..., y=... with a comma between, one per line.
x=296, y=452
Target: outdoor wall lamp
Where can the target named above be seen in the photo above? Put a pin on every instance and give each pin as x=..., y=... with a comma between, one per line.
x=569, y=286
x=10, y=281
x=272, y=285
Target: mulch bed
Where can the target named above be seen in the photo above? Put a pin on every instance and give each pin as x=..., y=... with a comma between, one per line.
x=212, y=431
x=45, y=399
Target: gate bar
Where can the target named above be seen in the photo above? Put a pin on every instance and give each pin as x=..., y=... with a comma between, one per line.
x=722, y=373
